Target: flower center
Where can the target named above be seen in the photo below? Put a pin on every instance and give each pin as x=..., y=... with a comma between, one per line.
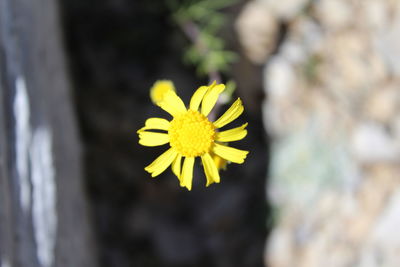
x=191, y=134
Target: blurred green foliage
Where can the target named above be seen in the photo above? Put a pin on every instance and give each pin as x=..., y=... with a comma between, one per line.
x=202, y=21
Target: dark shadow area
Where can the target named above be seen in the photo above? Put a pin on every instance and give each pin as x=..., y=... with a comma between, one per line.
x=116, y=51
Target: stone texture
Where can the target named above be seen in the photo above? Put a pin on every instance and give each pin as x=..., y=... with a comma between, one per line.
x=332, y=108
x=257, y=29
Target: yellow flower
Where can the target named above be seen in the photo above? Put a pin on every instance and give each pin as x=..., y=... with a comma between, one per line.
x=219, y=162
x=190, y=134
x=159, y=89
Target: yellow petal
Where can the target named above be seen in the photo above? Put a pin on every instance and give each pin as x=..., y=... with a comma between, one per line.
x=156, y=124
x=219, y=162
x=211, y=98
x=161, y=163
x=172, y=103
x=210, y=169
x=197, y=97
x=152, y=139
x=230, y=153
x=232, y=113
x=159, y=89
x=234, y=134
x=187, y=173
x=176, y=166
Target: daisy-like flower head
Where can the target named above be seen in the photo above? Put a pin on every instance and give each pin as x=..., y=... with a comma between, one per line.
x=191, y=134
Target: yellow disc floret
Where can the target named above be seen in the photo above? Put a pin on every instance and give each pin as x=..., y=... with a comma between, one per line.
x=191, y=134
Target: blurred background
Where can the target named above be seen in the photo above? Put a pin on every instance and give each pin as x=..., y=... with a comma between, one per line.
x=320, y=84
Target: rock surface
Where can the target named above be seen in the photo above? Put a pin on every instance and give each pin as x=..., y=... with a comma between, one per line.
x=332, y=108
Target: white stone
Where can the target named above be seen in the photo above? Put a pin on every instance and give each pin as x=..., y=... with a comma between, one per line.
x=383, y=245
x=376, y=15
x=278, y=253
x=334, y=14
x=286, y=9
x=279, y=78
x=382, y=103
x=257, y=29
x=310, y=34
x=388, y=224
x=294, y=52
x=387, y=44
x=371, y=143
